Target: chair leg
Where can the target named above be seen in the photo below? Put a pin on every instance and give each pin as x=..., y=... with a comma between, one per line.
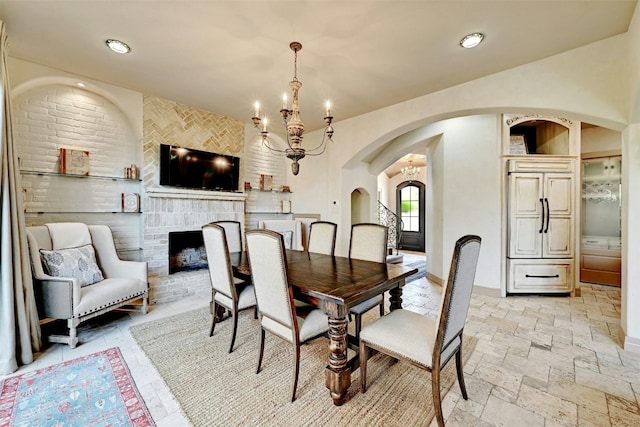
x=364, y=356
x=213, y=309
x=235, y=328
x=382, y=308
x=358, y=326
x=459, y=367
x=296, y=371
x=261, y=350
x=437, y=400
x=255, y=312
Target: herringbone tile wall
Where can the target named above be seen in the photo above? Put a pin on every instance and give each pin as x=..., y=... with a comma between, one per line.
x=169, y=122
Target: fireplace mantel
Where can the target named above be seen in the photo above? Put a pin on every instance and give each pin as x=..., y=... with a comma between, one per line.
x=180, y=193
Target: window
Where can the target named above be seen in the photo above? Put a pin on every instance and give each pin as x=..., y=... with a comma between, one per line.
x=410, y=207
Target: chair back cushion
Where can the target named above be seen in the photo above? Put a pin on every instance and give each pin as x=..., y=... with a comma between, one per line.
x=269, y=275
x=78, y=263
x=457, y=292
x=233, y=233
x=66, y=235
x=322, y=237
x=368, y=242
x=289, y=228
x=220, y=270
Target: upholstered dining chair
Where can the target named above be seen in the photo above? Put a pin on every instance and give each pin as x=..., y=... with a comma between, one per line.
x=233, y=232
x=277, y=312
x=322, y=237
x=226, y=290
x=368, y=242
x=425, y=342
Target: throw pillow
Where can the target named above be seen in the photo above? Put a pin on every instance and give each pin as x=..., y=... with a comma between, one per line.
x=288, y=238
x=78, y=263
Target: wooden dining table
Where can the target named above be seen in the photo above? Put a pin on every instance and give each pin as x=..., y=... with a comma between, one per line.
x=336, y=284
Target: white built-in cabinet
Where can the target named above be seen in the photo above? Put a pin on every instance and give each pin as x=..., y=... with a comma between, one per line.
x=541, y=205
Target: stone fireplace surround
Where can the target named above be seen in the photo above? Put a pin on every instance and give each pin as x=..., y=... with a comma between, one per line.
x=181, y=210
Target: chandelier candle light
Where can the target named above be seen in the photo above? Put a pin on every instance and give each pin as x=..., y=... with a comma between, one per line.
x=293, y=123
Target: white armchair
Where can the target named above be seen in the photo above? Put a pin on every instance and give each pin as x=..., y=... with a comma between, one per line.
x=74, y=284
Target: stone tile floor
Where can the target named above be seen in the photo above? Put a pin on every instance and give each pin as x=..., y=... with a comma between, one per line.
x=539, y=361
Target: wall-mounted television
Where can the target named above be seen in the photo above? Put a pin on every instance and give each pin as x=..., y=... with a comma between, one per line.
x=189, y=168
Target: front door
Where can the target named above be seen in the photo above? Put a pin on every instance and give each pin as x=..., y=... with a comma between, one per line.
x=410, y=205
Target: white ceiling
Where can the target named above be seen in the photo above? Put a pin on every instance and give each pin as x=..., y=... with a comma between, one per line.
x=222, y=55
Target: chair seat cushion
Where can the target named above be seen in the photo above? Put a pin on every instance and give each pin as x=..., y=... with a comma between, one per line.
x=108, y=292
x=246, y=297
x=77, y=263
x=311, y=323
x=404, y=333
x=363, y=307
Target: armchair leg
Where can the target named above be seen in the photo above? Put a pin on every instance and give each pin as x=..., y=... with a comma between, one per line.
x=145, y=303
x=73, y=332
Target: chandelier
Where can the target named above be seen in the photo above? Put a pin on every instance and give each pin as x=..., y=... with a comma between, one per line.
x=292, y=122
x=409, y=173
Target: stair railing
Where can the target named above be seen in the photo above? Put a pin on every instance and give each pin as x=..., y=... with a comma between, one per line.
x=394, y=223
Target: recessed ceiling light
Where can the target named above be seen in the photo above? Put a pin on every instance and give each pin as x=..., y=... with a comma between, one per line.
x=118, y=46
x=471, y=40
x=80, y=84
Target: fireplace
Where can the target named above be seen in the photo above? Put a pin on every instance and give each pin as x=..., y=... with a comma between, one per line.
x=186, y=251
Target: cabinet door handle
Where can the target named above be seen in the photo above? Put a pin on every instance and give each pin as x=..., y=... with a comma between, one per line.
x=548, y=210
x=555, y=276
x=541, y=217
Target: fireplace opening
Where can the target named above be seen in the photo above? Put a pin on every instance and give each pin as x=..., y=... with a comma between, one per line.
x=186, y=251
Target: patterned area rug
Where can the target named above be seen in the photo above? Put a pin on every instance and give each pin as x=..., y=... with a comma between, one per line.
x=94, y=390
x=217, y=388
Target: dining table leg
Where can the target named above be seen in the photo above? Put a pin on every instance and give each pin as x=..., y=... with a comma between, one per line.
x=337, y=372
x=395, y=297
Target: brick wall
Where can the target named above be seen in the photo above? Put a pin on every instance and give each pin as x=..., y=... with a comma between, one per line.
x=51, y=117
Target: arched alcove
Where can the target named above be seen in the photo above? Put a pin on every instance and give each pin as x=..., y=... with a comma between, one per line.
x=360, y=202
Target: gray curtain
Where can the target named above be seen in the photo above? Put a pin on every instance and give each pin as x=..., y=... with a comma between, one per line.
x=19, y=326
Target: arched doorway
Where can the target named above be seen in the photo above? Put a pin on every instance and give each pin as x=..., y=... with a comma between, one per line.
x=410, y=204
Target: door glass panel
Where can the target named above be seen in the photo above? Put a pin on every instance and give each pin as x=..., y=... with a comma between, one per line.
x=410, y=205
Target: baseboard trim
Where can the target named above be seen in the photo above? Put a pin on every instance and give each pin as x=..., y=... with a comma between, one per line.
x=631, y=344
x=433, y=278
x=487, y=292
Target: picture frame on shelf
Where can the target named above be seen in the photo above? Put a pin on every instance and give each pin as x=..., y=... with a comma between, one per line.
x=74, y=162
x=130, y=202
x=517, y=145
x=285, y=206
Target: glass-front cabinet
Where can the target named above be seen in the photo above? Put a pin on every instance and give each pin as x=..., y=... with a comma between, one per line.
x=601, y=220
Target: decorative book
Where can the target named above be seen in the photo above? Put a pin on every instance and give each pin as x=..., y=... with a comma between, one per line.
x=266, y=182
x=75, y=162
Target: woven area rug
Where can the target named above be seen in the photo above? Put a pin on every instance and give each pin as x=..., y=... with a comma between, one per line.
x=94, y=390
x=217, y=388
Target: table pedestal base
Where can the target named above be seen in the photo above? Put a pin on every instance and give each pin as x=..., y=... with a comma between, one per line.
x=337, y=373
